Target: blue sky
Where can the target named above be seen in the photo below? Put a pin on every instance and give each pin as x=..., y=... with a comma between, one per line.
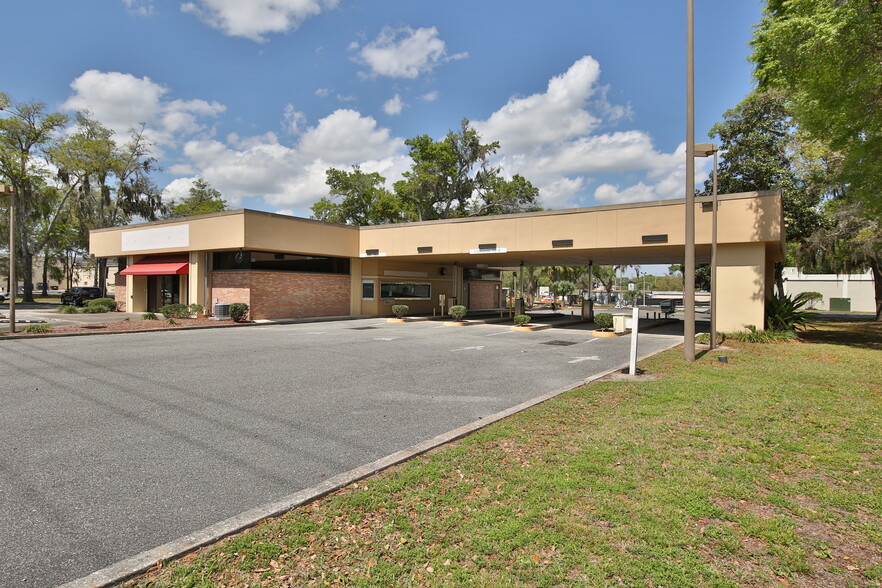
x=261, y=97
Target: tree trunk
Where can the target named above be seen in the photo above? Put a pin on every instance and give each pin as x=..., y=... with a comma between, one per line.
x=45, y=272
x=530, y=293
x=876, y=266
x=102, y=275
x=779, y=278
x=27, y=273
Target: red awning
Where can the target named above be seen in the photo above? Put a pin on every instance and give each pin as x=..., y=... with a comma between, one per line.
x=156, y=269
x=159, y=265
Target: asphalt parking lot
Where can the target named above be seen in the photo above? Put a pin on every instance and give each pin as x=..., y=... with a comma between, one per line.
x=113, y=445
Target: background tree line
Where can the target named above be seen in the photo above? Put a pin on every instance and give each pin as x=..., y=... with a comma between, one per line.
x=70, y=176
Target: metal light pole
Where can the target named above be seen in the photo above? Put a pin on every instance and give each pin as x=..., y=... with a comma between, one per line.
x=716, y=205
x=689, y=257
x=10, y=191
x=705, y=150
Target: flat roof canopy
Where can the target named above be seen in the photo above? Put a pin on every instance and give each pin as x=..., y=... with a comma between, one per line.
x=642, y=233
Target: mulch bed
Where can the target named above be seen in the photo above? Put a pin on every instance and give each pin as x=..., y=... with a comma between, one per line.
x=121, y=327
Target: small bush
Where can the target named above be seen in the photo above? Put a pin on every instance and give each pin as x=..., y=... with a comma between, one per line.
x=108, y=302
x=522, y=319
x=458, y=312
x=149, y=316
x=752, y=335
x=170, y=320
x=238, y=311
x=196, y=309
x=603, y=320
x=784, y=314
x=705, y=338
x=37, y=329
x=400, y=310
x=812, y=298
x=175, y=311
x=95, y=308
x=65, y=309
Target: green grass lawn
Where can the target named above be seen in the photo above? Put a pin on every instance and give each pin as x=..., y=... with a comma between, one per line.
x=766, y=470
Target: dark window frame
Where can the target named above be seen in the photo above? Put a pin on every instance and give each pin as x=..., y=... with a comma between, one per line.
x=399, y=290
x=273, y=261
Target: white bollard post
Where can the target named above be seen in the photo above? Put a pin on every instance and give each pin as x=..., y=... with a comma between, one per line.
x=635, y=317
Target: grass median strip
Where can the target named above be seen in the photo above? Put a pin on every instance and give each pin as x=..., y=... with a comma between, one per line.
x=766, y=469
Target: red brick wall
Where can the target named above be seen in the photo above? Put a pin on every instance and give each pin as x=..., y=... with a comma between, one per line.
x=119, y=292
x=483, y=294
x=272, y=295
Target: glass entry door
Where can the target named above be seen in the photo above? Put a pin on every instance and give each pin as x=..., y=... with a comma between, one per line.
x=162, y=290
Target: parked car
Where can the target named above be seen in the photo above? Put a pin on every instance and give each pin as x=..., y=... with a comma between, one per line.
x=78, y=295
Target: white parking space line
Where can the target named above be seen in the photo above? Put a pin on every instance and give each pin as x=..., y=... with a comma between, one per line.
x=594, y=339
x=473, y=348
x=499, y=333
x=386, y=338
x=580, y=359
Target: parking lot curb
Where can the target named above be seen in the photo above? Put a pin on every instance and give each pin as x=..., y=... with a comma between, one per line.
x=144, y=561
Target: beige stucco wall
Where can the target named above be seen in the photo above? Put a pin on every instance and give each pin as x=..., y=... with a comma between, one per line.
x=750, y=235
x=390, y=270
x=597, y=233
x=742, y=286
x=238, y=229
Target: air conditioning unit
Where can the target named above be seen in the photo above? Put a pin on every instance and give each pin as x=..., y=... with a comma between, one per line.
x=221, y=312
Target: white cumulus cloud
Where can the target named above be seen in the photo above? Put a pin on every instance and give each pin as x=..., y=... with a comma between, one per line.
x=292, y=176
x=140, y=7
x=558, y=140
x=393, y=105
x=345, y=135
x=405, y=52
x=253, y=19
x=122, y=101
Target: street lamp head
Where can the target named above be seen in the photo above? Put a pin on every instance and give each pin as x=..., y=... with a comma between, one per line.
x=705, y=149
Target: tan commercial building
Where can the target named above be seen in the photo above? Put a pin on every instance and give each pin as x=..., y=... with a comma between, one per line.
x=287, y=267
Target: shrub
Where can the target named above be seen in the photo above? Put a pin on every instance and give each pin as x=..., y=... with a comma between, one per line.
x=400, y=310
x=604, y=320
x=521, y=319
x=812, y=298
x=108, y=302
x=784, y=314
x=196, y=309
x=65, y=309
x=37, y=329
x=238, y=311
x=175, y=311
x=149, y=316
x=170, y=320
x=752, y=335
x=705, y=338
x=458, y=312
x=93, y=308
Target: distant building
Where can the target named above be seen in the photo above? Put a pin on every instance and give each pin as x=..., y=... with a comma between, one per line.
x=853, y=292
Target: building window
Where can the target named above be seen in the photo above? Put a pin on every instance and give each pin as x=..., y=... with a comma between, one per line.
x=279, y=262
x=367, y=289
x=480, y=274
x=405, y=290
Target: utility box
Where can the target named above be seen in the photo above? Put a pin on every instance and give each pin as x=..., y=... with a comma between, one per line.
x=222, y=312
x=622, y=323
x=840, y=304
x=667, y=306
